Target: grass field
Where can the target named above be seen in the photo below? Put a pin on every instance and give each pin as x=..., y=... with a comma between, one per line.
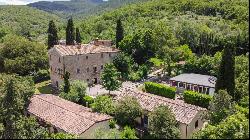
x=43, y=88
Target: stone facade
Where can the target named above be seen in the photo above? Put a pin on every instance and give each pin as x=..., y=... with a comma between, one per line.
x=83, y=62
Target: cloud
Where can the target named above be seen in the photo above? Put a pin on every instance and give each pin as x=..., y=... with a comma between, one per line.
x=23, y=2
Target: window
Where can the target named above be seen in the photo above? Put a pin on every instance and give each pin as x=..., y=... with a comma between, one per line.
x=55, y=130
x=196, y=124
x=200, y=89
x=95, y=81
x=145, y=120
x=87, y=80
x=102, y=55
x=180, y=84
x=57, y=85
x=78, y=71
x=59, y=60
x=101, y=66
x=207, y=91
x=87, y=57
x=49, y=57
x=87, y=69
x=109, y=54
x=95, y=69
x=59, y=72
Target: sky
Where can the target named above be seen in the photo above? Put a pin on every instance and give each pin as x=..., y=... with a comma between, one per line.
x=22, y=2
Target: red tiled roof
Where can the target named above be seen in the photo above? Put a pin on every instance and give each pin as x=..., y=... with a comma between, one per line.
x=184, y=112
x=63, y=114
x=83, y=49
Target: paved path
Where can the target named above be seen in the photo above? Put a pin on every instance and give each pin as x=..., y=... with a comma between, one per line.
x=99, y=90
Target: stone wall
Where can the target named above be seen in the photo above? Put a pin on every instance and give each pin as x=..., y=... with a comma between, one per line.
x=80, y=67
x=91, y=132
x=56, y=68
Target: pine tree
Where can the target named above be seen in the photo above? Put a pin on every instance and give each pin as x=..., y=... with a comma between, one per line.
x=66, y=87
x=78, y=36
x=52, y=35
x=119, y=32
x=226, y=78
x=70, y=35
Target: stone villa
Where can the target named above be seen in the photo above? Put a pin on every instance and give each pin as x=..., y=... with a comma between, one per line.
x=83, y=61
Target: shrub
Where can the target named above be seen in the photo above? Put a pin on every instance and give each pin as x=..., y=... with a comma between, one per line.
x=160, y=89
x=76, y=93
x=196, y=98
x=41, y=75
x=103, y=104
x=242, y=110
x=128, y=133
x=127, y=110
x=112, y=123
x=88, y=99
x=162, y=123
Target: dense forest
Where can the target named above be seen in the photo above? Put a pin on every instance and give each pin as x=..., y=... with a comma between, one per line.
x=25, y=21
x=201, y=25
x=80, y=8
x=211, y=37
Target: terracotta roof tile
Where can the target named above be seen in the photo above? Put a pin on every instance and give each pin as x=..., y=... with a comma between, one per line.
x=184, y=112
x=83, y=49
x=63, y=114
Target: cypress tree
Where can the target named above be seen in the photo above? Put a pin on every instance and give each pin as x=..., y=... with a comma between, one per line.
x=66, y=87
x=78, y=36
x=11, y=113
x=226, y=75
x=52, y=35
x=119, y=32
x=70, y=36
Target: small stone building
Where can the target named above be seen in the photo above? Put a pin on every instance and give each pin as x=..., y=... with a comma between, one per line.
x=195, y=82
x=189, y=117
x=83, y=61
x=65, y=116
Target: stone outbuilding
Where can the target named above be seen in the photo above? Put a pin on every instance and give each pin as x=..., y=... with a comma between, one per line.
x=189, y=117
x=65, y=116
x=83, y=61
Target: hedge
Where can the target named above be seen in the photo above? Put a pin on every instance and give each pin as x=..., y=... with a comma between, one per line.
x=196, y=98
x=160, y=89
x=88, y=99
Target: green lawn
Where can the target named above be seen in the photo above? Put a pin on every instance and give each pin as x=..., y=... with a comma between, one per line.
x=43, y=88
